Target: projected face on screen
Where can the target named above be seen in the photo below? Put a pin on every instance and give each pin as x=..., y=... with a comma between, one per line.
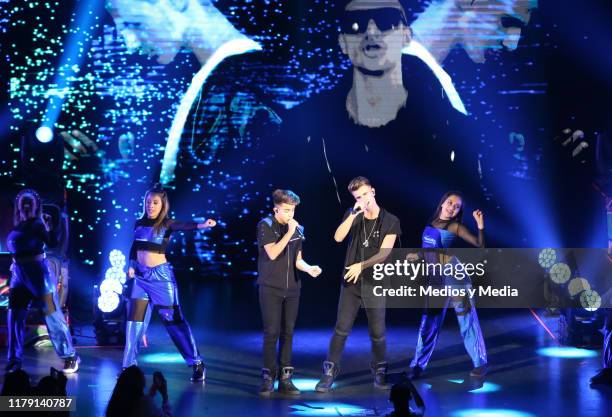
x=480, y=27
x=155, y=27
x=161, y=28
x=373, y=35
x=490, y=25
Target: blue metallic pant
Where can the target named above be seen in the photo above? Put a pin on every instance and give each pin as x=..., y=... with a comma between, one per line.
x=432, y=321
x=158, y=286
x=31, y=281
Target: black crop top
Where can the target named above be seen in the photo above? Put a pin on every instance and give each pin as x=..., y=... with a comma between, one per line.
x=146, y=239
x=461, y=231
x=29, y=238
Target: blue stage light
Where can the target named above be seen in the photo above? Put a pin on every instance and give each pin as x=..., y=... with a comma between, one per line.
x=72, y=57
x=493, y=412
x=111, y=286
x=44, y=134
x=303, y=384
x=566, y=352
x=327, y=409
x=547, y=258
x=577, y=285
x=117, y=258
x=560, y=273
x=486, y=388
x=590, y=300
x=108, y=302
x=162, y=357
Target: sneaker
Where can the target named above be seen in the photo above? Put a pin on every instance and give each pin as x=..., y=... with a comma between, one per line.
x=479, y=371
x=71, y=365
x=330, y=372
x=415, y=372
x=603, y=377
x=199, y=372
x=267, y=382
x=285, y=385
x=380, y=376
x=12, y=366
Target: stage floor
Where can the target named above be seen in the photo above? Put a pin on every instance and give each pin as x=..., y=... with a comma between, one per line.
x=522, y=382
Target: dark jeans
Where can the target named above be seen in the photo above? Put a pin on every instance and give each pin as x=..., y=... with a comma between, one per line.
x=348, y=307
x=279, y=310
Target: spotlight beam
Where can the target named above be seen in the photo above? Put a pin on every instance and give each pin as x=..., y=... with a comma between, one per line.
x=73, y=56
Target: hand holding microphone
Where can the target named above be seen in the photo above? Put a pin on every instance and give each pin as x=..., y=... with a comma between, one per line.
x=357, y=208
x=293, y=225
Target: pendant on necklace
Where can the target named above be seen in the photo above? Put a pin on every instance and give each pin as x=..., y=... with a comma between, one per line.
x=366, y=244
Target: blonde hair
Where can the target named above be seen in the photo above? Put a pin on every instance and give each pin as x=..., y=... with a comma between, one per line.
x=358, y=182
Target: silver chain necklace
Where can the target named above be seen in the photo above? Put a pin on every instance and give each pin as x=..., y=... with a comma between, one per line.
x=366, y=242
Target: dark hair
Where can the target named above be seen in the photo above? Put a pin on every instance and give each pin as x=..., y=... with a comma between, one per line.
x=16, y=383
x=400, y=393
x=459, y=217
x=53, y=384
x=162, y=218
x=285, y=197
x=127, y=392
x=402, y=8
x=358, y=182
x=37, y=200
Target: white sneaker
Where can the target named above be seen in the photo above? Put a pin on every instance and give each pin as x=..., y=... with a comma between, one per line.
x=71, y=365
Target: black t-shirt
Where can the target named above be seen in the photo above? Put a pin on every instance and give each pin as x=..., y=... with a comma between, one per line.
x=371, y=231
x=281, y=272
x=29, y=238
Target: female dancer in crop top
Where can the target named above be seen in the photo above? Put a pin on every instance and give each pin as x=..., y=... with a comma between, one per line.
x=444, y=229
x=31, y=281
x=154, y=281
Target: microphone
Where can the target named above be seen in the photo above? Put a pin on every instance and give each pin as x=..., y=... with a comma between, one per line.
x=300, y=231
x=354, y=210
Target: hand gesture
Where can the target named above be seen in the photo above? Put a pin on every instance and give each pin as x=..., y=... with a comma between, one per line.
x=46, y=218
x=575, y=142
x=207, y=224
x=160, y=383
x=479, y=217
x=131, y=272
x=314, y=271
x=412, y=257
x=79, y=143
x=352, y=275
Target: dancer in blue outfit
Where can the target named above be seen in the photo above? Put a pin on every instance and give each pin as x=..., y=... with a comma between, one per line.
x=604, y=376
x=445, y=229
x=31, y=281
x=154, y=281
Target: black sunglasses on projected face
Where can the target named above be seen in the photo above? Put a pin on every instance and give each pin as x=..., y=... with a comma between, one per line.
x=386, y=18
